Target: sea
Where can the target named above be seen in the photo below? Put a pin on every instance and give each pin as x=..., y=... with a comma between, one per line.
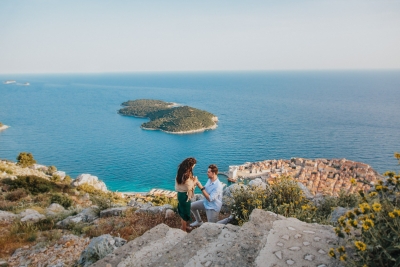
x=71, y=121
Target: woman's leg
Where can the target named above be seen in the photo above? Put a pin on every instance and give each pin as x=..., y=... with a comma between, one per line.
x=184, y=225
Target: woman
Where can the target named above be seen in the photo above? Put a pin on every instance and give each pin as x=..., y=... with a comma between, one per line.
x=185, y=183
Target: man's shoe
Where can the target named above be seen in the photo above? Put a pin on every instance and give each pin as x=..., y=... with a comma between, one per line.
x=196, y=223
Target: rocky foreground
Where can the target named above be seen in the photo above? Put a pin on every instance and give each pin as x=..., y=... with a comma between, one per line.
x=266, y=240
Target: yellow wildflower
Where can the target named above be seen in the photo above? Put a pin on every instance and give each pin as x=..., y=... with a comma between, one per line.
x=343, y=257
x=378, y=187
x=369, y=222
x=357, y=211
x=397, y=212
x=353, y=223
x=372, y=194
x=341, y=249
x=364, y=207
x=332, y=253
x=347, y=230
x=360, y=245
x=353, y=181
x=376, y=206
x=365, y=227
x=391, y=215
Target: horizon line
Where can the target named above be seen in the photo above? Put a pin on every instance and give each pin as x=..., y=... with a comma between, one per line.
x=199, y=71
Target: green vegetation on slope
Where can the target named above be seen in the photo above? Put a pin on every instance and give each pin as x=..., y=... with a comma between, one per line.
x=164, y=117
x=1, y=124
x=25, y=159
x=142, y=107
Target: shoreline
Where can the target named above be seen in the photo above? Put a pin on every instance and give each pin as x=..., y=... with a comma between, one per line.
x=4, y=127
x=184, y=132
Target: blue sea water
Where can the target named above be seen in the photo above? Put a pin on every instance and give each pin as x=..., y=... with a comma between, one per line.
x=71, y=121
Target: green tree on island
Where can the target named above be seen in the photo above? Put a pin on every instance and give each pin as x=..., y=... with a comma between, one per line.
x=25, y=159
x=1, y=124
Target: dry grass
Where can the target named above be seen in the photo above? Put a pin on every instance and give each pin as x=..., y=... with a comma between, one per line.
x=133, y=225
x=9, y=242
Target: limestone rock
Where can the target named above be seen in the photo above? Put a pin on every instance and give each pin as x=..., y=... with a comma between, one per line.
x=30, y=215
x=64, y=253
x=7, y=216
x=267, y=239
x=139, y=204
x=169, y=213
x=90, y=180
x=60, y=174
x=304, y=244
x=336, y=213
x=113, y=212
x=228, y=190
x=54, y=209
x=86, y=215
x=305, y=190
x=98, y=248
x=154, y=209
x=258, y=182
x=144, y=249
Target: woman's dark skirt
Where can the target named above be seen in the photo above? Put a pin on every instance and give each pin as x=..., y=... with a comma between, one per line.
x=184, y=206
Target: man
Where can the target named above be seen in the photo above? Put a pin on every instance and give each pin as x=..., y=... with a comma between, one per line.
x=212, y=201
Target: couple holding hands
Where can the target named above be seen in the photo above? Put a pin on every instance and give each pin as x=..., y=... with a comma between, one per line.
x=185, y=184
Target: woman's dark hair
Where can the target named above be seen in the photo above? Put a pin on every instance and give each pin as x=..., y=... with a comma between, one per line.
x=185, y=170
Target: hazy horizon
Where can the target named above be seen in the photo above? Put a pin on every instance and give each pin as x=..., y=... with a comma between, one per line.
x=51, y=36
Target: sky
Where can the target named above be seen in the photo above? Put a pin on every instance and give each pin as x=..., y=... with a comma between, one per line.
x=91, y=36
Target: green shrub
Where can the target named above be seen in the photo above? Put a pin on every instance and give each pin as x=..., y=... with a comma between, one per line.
x=51, y=170
x=55, y=178
x=64, y=201
x=25, y=159
x=32, y=184
x=102, y=202
x=373, y=229
x=67, y=179
x=286, y=198
x=16, y=194
x=283, y=197
x=323, y=210
x=245, y=200
x=89, y=189
x=162, y=200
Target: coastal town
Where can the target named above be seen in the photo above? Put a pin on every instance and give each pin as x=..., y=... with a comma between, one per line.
x=325, y=176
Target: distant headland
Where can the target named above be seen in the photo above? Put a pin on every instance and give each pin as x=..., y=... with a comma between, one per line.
x=169, y=117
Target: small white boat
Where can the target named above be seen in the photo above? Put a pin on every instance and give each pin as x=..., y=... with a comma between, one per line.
x=9, y=82
x=26, y=84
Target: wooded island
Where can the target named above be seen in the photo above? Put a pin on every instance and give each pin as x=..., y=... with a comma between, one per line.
x=169, y=117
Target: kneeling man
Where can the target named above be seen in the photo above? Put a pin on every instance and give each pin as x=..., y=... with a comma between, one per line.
x=212, y=201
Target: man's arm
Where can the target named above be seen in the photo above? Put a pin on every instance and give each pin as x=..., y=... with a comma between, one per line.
x=204, y=192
